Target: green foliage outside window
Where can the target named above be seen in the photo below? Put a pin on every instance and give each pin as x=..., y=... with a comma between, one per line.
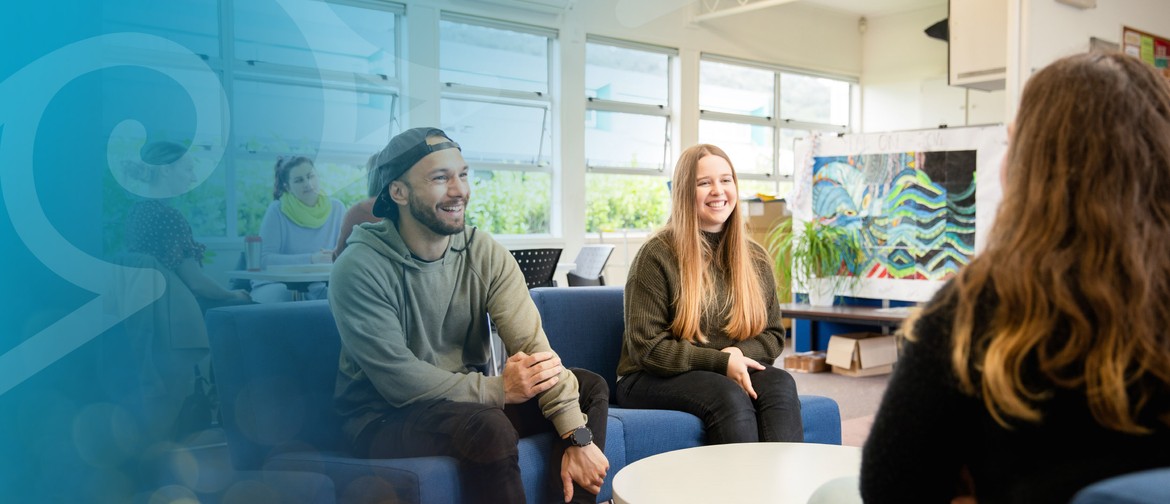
x=510, y=202
x=615, y=202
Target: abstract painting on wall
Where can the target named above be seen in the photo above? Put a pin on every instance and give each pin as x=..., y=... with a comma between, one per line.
x=914, y=212
x=918, y=201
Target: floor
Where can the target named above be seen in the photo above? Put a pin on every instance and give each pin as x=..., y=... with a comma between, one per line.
x=858, y=398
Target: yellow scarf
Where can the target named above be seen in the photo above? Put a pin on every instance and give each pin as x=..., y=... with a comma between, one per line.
x=305, y=216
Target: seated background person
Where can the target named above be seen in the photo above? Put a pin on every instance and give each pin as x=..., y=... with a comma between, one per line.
x=300, y=226
x=1044, y=366
x=703, y=323
x=411, y=295
x=156, y=229
x=362, y=211
x=166, y=341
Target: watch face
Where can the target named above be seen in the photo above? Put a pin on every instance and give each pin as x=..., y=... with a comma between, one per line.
x=581, y=437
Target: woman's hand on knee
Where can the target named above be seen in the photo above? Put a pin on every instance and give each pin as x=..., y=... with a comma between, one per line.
x=738, y=367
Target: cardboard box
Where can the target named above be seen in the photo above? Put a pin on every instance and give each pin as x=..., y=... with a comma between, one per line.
x=762, y=216
x=862, y=354
x=806, y=362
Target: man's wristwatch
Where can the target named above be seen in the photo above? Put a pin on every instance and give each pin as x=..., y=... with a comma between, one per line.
x=581, y=436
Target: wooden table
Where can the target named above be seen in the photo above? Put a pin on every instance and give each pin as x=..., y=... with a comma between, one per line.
x=862, y=315
x=743, y=472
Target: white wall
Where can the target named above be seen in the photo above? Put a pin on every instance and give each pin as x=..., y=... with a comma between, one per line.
x=898, y=60
x=904, y=78
x=1049, y=31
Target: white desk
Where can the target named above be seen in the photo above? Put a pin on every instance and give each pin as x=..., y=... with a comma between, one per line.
x=747, y=472
x=297, y=277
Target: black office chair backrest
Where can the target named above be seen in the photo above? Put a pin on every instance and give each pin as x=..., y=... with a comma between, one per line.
x=538, y=266
x=590, y=265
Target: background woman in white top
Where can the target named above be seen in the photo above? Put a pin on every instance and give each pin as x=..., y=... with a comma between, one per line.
x=300, y=226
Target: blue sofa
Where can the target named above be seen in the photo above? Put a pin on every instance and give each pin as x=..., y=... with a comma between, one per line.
x=275, y=367
x=1143, y=487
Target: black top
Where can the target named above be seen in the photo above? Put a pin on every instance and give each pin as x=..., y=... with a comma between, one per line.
x=927, y=431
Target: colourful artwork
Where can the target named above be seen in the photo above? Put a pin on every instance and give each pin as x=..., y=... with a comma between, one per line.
x=914, y=211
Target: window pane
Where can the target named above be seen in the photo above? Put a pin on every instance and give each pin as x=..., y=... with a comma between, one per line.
x=192, y=23
x=620, y=140
x=626, y=75
x=787, y=165
x=316, y=35
x=616, y=202
x=283, y=119
x=498, y=133
x=510, y=202
x=493, y=58
x=736, y=89
x=753, y=188
x=748, y=146
x=814, y=99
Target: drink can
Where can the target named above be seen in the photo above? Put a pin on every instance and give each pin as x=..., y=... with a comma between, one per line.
x=252, y=252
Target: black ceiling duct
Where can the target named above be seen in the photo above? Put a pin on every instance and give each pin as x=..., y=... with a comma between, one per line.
x=939, y=30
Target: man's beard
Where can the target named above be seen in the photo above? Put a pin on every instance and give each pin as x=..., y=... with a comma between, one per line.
x=427, y=216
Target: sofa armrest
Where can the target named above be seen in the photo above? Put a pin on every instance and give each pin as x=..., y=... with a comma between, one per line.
x=822, y=419
x=1145, y=487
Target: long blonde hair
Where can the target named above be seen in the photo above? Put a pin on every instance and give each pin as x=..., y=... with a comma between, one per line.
x=748, y=312
x=1076, y=260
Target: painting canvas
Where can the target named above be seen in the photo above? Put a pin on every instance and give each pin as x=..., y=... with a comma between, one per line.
x=919, y=202
x=914, y=212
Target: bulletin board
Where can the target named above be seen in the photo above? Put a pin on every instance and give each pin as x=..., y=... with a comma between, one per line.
x=920, y=202
x=1148, y=47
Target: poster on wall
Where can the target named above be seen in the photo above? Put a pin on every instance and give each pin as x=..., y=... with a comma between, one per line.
x=920, y=202
x=1148, y=47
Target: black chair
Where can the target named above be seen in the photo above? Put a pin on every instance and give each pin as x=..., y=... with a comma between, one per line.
x=590, y=266
x=538, y=266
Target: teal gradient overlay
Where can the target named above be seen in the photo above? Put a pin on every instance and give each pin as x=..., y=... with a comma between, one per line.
x=74, y=86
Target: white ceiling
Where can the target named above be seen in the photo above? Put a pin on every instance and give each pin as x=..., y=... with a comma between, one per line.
x=874, y=8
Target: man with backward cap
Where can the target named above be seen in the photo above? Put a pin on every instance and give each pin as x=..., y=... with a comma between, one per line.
x=410, y=295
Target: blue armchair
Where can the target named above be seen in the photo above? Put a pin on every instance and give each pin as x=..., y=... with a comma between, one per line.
x=276, y=366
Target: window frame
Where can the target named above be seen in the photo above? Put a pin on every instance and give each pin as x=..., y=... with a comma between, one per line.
x=509, y=97
x=775, y=119
x=231, y=69
x=617, y=106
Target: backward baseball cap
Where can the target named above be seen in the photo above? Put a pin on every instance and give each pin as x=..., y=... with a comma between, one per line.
x=404, y=151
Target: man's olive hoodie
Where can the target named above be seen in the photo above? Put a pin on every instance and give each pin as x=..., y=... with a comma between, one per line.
x=414, y=331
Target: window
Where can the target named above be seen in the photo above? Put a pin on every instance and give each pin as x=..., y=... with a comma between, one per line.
x=501, y=116
x=627, y=134
x=302, y=77
x=756, y=112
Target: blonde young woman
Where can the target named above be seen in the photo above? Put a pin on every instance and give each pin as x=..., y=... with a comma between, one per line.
x=1045, y=365
x=702, y=319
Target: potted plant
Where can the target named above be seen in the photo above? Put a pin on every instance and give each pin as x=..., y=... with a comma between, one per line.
x=824, y=260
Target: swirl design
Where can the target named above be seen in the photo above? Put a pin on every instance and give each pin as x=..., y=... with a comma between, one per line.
x=121, y=291
x=914, y=212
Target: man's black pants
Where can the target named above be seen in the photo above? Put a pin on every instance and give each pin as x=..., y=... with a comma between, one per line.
x=484, y=439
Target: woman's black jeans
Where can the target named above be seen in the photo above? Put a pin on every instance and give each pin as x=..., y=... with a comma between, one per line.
x=728, y=413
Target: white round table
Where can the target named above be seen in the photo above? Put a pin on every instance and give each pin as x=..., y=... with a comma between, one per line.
x=747, y=472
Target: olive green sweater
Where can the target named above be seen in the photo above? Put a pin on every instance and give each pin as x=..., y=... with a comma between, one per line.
x=651, y=288
x=415, y=331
